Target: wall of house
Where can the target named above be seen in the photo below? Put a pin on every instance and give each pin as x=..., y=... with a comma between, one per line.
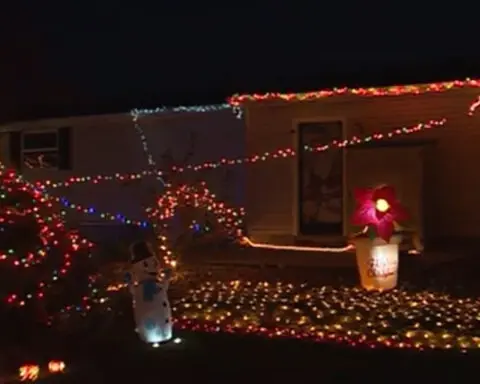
x=447, y=167
x=109, y=144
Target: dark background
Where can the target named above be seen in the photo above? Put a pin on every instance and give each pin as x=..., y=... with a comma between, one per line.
x=63, y=59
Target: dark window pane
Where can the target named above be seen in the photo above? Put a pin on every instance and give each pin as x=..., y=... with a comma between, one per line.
x=39, y=140
x=41, y=159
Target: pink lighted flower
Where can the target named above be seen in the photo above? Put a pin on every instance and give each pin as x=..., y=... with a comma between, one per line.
x=380, y=208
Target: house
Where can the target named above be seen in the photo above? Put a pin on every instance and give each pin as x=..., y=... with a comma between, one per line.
x=309, y=197
x=63, y=149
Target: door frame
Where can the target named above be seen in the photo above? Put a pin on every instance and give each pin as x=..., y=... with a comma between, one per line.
x=296, y=177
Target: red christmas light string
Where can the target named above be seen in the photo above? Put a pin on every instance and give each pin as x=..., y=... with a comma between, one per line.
x=193, y=197
x=278, y=154
x=395, y=90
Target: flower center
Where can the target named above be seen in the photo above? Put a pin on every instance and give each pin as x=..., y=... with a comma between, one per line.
x=382, y=205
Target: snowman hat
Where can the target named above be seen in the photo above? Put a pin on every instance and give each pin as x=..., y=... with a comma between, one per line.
x=140, y=250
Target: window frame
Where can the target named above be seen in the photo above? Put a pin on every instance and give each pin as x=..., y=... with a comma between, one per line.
x=55, y=149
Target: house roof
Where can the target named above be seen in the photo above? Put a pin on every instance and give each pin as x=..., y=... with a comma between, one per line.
x=392, y=90
x=181, y=108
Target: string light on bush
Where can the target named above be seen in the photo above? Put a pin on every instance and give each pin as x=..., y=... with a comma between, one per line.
x=47, y=226
x=395, y=90
x=252, y=159
x=193, y=197
x=51, y=235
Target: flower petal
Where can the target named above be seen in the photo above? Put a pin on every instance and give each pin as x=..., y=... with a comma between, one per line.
x=385, y=228
x=385, y=192
x=362, y=195
x=379, y=214
x=364, y=214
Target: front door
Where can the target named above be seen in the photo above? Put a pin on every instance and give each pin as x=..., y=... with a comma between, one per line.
x=321, y=179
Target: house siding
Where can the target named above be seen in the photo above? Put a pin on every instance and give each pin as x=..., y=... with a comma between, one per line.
x=109, y=144
x=451, y=188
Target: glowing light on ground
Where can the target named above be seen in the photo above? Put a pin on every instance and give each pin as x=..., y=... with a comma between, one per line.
x=398, y=318
x=251, y=243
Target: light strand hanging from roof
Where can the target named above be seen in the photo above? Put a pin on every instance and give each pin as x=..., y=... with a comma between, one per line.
x=394, y=90
x=237, y=111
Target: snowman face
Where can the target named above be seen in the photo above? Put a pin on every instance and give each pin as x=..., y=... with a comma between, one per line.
x=146, y=268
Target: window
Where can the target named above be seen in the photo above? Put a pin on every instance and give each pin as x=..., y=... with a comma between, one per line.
x=40, y=149
x=46, y=149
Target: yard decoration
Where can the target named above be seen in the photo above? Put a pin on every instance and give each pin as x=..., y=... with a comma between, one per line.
x=44, y=254
x=56, y=366
x=377, y=246
x=29, y=372
x=148, y=286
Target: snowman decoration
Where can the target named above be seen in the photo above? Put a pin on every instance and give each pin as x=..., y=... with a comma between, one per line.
x=148, y=286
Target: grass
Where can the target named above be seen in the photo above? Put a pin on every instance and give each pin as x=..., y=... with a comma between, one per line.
x=206, y=358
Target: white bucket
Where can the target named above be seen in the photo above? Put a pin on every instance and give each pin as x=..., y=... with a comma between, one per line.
x=377, y=262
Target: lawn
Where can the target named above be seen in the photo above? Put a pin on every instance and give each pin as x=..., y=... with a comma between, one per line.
x=204, y=358
x=276, y=302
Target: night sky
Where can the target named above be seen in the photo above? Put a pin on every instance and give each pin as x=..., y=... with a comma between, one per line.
x=76, y=59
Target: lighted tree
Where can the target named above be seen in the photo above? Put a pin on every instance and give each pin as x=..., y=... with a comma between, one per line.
x=45, y=265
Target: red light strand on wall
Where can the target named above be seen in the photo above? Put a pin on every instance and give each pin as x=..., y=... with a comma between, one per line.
x=269, y=155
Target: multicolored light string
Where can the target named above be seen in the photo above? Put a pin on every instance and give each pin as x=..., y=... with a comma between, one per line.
x=51, y=234
x=118, y=217
x=48, y=225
